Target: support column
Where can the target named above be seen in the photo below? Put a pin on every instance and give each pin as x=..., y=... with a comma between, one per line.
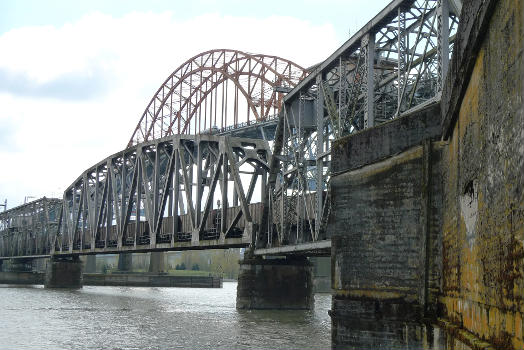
x=64, y=273
x=368, y=42
x=125, y=262
x=321, y=274
x=275, y=284
x=319, y=156
x=385, y=274
x=90, y=266
x=157, y=262
x=1, y=267
x=442, y=42
x=39, y=265
x=402, y=59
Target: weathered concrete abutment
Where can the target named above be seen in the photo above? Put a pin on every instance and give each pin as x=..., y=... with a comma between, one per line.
x=483, y=173
x=275, y=284
x=428, y=209
x=385, y=223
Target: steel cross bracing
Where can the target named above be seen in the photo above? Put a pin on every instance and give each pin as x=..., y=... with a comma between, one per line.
x=177, y=192
x=159, y=193
x=395, y=62
x=215, y=91
x=128, y=201
x=29, y=229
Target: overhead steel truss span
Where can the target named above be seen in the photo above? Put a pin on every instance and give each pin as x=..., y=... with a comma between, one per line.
x=216, y=90
x=159, y=192
x=161, y=195
x=395, y=63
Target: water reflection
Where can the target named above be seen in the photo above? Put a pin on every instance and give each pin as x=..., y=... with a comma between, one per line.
x=153, y=318
x=185, y=318
x=383, y=333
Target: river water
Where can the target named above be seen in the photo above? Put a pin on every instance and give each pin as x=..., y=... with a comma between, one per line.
x=153, y=318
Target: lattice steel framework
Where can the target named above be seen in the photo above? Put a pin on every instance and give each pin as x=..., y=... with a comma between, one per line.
x=215, y=90
x=396, y=62
x=29, y=229
x=160, y=195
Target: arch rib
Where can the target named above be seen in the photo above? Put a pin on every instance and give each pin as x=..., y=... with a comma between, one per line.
x=185, y=94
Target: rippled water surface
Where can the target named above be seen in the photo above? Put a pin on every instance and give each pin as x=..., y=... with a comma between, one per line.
x=153, y=318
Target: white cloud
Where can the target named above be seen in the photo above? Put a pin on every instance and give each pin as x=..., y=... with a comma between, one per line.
x=71, y=96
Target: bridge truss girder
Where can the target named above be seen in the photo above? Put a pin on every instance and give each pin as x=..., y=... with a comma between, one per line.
x=395, y=63
x=157, y=195
x=29, y=228
x=160, y=195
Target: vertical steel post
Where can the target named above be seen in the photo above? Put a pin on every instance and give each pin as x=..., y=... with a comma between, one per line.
x=319, y=156
x=235, y=194
x=176, y=194
x=401, y=64
x=442, y=42
x=368, y=42
x=109, y=209
x=138, y=202
x=223, y=208
x=199, y=187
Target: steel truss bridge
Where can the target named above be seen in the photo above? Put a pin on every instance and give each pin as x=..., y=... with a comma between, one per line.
x=233, y=150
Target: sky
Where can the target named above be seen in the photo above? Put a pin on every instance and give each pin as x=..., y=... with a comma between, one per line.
x=76, y=76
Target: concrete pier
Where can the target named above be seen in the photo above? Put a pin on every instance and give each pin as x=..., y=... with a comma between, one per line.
x=386, y=224
x=321, y=268
x=64, y=273
x=90, y=264
x=125, y=262
x=157, y=262
x=275, y=284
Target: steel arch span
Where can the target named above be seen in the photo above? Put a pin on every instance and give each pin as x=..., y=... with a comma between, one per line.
x=217, y=89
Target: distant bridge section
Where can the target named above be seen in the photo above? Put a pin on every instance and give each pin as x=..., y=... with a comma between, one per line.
x=30, y=229
x=177, y=192
x=204, y=137
x=193, y=175
x=174, y=193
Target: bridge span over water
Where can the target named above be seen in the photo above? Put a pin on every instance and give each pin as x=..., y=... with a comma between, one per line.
x=348, y=158
x=234, y=149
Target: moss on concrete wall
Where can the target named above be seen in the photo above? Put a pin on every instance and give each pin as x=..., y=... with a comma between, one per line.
x=483, y=199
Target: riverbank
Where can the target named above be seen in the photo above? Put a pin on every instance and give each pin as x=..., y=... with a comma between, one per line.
x=129, y=280
x=148, y=280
